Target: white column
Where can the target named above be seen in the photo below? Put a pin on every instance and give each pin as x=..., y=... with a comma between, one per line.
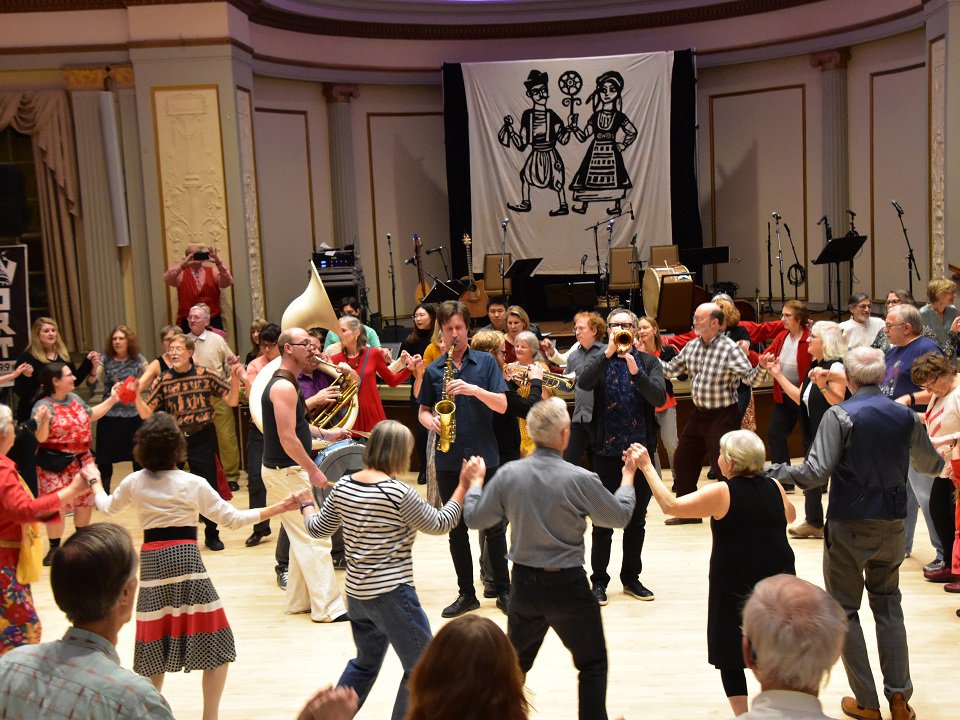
x=342, y=177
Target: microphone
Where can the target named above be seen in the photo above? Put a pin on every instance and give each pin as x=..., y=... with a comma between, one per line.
x=851, y=213
x=438, y=248
x=410, y=260
x=504, y=223
x=633, y=240
x=822, y=220
x=583, y=264
x=775, y=215
x=388, y=237
x=610, y=223
x=896, y=205
x=631, y=212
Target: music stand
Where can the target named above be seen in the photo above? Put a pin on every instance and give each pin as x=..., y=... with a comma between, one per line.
x=698, y=257
x=521, y=269
x=838, y=250
x=439, y=292
x=578, y=295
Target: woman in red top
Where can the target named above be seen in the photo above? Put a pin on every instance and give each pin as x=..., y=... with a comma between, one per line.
x=19, y=624
x=791, y=347
x=366, y=364
x=649, y=341
x=64, y=434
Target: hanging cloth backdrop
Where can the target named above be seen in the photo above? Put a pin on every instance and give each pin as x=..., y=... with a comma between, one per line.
x=558, y=145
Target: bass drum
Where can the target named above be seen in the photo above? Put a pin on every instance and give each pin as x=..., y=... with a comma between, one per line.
x=336, y=460
x=654, y=277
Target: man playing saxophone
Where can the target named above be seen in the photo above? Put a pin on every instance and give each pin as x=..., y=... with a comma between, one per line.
x=477, y=388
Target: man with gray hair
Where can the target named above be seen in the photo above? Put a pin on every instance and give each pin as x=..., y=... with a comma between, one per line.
x=903, y=329
x=94, y=579
x=547, y=501
x=864, y=446
x=792, y=635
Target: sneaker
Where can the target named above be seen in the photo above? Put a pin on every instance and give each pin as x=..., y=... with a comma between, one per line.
x=806, y=530
x=850, y=707
x=463, y=604
x=48, y=558
x=900, y=709
x=503, y=602
x=934, y=565
x=635, y=588
x=282, y=575
x=601, y=592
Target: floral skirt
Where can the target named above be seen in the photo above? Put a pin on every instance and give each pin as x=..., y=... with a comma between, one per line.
x=19, y=624
x=50, y=482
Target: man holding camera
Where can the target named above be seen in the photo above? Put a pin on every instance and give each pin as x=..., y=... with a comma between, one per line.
x=196, y=282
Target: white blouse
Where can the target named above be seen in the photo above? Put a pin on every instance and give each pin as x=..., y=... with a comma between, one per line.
x=172, y=498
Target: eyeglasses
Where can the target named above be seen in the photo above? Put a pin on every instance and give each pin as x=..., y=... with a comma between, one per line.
x=622, y=325
x=301, y=344
x=892, y=325
x=865, y=306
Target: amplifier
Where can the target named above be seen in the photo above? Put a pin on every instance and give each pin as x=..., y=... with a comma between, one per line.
x=334, y=258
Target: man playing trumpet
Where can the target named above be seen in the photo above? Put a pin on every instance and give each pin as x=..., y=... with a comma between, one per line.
x=628, y=386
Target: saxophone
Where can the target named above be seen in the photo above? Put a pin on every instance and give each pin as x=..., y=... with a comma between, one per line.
x=446, y=407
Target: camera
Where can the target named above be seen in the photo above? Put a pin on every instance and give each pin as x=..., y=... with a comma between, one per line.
x=202, y=255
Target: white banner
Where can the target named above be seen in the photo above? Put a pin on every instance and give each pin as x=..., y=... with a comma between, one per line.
x=559, y=145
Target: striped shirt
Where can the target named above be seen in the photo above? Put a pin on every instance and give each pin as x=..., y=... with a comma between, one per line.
x=380, y=522
x=715, y=369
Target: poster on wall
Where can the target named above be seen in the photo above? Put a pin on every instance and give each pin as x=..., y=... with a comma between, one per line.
x=14, y=306
x=559, y=145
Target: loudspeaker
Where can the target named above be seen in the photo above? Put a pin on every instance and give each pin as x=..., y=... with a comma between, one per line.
x=14, y=213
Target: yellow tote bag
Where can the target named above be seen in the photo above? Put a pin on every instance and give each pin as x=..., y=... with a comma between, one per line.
x=30, y=564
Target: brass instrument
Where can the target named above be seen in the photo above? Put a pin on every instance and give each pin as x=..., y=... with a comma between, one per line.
x=623, y=339
x=446, y=408
x=519, y=374
x=343, y=412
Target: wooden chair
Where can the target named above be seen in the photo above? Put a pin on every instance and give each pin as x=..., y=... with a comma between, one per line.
x=491, y=274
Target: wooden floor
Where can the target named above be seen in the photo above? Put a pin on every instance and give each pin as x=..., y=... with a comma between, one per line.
x=657, y=650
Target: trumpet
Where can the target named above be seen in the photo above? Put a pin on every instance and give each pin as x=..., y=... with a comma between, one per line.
x=520, y=375
x=623, y=339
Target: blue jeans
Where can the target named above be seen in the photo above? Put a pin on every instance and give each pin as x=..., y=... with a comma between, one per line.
x=394, y=618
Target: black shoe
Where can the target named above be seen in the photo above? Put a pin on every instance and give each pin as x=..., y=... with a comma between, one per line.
x=233, y=485
x=711, y=475
x=489, y=591
x=215, y=544
x=463, y=603
x=682, y=521
x=788, y=487
x=341, y=618
x=635, y=588
x=340, y=563
x=281, y=577
x=601, y=592
x=256, y=536
x=48, y=558
x=503, y=602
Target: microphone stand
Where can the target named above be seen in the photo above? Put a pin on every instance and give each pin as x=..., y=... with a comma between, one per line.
x=911, y=259
x=443, y=259
x=606, y=265
x=783, y=293
x=393, y=280
x=596, y=248
x=503, y=255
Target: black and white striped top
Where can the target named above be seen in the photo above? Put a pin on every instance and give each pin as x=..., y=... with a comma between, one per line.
x=380, y=522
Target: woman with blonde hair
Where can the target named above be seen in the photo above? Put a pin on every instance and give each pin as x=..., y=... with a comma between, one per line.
x=517, y=322
x=46, y=346
x=940, y=314
x=380, y=516
x=471, y=642
x=749, y=513
x=19, y=624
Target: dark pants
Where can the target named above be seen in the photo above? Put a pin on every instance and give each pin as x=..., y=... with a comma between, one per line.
x=942, y=511
x=420, y=443
x=813, y=506
x=24, y=455
x=496, y=541
x=701, y=436
x=282, y=552
x=258, y=491
x=115, y=444
x=562, y=600
x=202, y=457
x=580, y=442
x=609, y=470
x=782, y=421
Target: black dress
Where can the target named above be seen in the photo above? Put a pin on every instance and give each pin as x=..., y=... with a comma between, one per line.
x=749, y=544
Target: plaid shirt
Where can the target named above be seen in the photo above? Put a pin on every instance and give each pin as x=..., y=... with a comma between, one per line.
x=715, y=370
x=78, y=677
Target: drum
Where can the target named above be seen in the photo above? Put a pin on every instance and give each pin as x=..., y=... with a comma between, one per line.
x=336, y=460
x=654, y=278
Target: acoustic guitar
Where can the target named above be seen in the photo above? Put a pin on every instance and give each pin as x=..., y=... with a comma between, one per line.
x=475, y=296
x=422, y=288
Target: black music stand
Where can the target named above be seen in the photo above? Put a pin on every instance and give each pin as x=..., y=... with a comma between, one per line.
x=838, y=250
x=441, y=291
x=572, y=295
x=698, y=257
x=521, y=269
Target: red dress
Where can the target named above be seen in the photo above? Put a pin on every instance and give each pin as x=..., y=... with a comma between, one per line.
x=370, y=410
x=69, y=433
x=19, y=624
